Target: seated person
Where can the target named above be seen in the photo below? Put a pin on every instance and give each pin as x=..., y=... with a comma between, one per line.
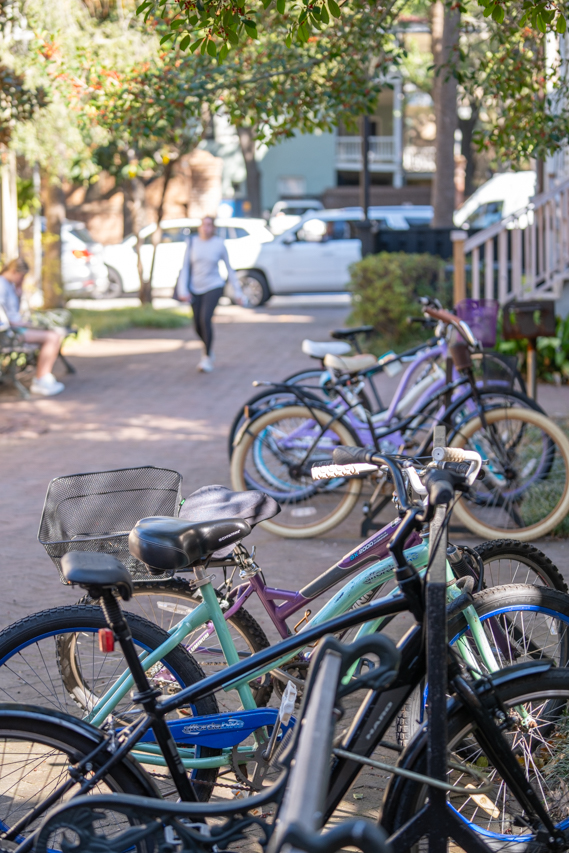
x=11, y=280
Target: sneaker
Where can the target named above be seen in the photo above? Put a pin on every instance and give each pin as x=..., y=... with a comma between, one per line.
x=47, y=386
x=206, y=364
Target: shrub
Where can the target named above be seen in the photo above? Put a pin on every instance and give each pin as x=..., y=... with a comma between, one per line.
x=552, y=353
x=97, y=324
x=385, y=288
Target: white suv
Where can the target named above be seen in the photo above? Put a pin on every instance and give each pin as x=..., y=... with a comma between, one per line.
x=315, y=255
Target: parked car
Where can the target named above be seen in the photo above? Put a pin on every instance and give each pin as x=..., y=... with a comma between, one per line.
x=83, y=267
x=315, y=255
x=285, y=214
x=242, y=238
x=502, y=195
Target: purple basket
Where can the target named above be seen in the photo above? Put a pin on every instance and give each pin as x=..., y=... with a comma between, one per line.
x=482, y=317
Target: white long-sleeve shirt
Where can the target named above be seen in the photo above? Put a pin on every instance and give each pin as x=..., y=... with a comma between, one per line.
x=200, y=270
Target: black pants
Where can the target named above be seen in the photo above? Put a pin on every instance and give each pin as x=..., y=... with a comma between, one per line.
x=203, y=306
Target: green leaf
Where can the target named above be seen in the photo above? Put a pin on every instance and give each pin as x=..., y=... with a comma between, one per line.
x=266, y=3
x=334, y=8
x=175, y=25
x=224, y=50
x=232, y=37
x=548, y=15
x=324, y=16
x=540, y=23
x=288, y=40
x=195, y=45
x=212, y=48
x=167, y=38
x=561, y=25
x=192, y=20
x=281, y=6
x=143, y=6
x=489, y=10
x=203, y=48
x=251, y=29
x=185, y=42
x=498, y=14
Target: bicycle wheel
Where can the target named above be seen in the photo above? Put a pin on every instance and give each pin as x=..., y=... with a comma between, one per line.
x=52, y=659
x=276, y=455
x=526, y=484
x=512, y=561
x=540, y=749
x=521, y=622
x=36, y=750
x=166, y=602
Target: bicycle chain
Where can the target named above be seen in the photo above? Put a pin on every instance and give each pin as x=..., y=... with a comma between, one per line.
x=216, y=784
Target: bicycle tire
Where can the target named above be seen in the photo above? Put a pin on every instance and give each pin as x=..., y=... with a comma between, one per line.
x=541, y=494
x=490, y=604
x=48, y=734
x=150, y=595
x=550, y=688
x=19, y=663
x=525, y=554
x=344, y=435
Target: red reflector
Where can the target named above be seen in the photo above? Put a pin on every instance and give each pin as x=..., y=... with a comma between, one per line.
x=81, y=253
x=106, y=640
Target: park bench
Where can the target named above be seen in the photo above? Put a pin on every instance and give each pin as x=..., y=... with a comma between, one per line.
x=18, y=357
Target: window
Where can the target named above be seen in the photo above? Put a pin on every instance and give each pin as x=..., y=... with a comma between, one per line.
x=291, y=185
x=320, y=231
x=81, y=234
x=236, y=233
x=171, y=235
x=486, y=215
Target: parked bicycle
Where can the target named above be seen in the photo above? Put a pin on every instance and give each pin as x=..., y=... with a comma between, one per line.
x=526, y=492
x=527, y=703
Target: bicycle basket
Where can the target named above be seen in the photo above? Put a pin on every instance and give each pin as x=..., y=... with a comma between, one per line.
x=97, y=511
x=482, y=316
x=495, y=368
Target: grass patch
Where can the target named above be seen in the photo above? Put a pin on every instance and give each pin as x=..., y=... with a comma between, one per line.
x=100, y=324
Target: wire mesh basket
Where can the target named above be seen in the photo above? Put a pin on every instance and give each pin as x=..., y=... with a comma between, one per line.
x=96, y=512
x=497, y=369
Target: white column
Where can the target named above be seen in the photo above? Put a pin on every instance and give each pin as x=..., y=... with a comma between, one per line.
x=398, y=131
x=9, y=205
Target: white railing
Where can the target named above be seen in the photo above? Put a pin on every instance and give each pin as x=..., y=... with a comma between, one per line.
x=349, y=151
x=419, y=158
x=525, y=256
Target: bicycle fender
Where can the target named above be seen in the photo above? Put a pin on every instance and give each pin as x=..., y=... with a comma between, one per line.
x=220, y=731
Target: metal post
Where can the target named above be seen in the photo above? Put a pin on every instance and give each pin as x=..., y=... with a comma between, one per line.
x=437, y=664
x=37, y=230
x=365, y=227
x=398, y=132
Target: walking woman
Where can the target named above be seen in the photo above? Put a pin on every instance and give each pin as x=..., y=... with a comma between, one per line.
x=201, y=284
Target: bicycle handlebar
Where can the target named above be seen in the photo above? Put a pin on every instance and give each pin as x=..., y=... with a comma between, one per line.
x=445, y=316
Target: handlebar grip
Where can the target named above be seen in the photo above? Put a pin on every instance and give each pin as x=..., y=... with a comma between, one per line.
x=349, y=455
x=440, y=487
x=449, y=454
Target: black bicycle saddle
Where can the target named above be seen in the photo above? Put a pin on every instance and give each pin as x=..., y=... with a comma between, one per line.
x=168, y=544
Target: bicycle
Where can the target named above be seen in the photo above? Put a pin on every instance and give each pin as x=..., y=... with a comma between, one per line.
x=51, y=657
x=528, y=476
x=487, y=703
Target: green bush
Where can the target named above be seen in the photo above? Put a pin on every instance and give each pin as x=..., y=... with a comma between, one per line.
x=552, y=353
x=385, y=288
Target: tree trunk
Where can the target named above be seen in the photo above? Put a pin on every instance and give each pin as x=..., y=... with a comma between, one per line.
x=157, y=236
x=53, y=202
x=247, y=142
x=135, y=202
x=467, y=126
x=445, y=31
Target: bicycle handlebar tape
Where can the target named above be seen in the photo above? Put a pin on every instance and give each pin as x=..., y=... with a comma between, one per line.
x=440, y=487
x=349, y=455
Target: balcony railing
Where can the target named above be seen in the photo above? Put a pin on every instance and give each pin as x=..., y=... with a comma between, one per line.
x=383, y=154
x=349, y=151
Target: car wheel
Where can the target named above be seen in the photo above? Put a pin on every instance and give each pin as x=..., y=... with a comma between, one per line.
x=114, y=287
x=255, y=287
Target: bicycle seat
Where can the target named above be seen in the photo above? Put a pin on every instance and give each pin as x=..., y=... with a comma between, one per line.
x=317, y=349
x=344, y=334
x=97, y=572
x=168, y=544
x=350, y=364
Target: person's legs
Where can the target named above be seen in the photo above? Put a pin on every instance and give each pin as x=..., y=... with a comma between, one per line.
x=208, y=306
x=197, y=301
x=50, y=343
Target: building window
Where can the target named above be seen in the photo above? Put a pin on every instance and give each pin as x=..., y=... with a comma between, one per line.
x=291, y=186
